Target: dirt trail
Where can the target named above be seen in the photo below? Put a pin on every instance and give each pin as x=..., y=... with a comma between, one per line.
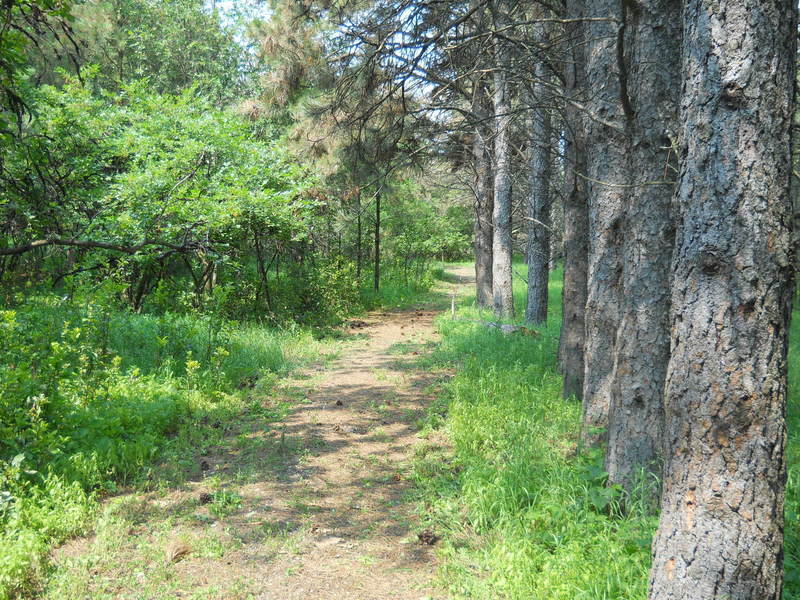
x=330, y=520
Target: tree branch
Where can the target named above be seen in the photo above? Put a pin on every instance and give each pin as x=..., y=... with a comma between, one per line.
x=17, y=250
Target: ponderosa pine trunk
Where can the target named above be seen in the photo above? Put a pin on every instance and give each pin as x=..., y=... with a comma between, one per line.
x=502, y=291
x=576, y=216
x=484, y=199
x=537, y=252
x=636, y=418
x=607, y=173
x=720, y=533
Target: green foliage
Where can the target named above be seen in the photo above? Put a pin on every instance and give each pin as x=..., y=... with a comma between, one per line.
x=181, y=206
x=224, y=502
x=292, y=46
x=91, y=396
x=329, y=289
x=173, y=44
x=421, y=226
x=144, y=165
x=43, y=515
x=177, y=191
x=24, y=22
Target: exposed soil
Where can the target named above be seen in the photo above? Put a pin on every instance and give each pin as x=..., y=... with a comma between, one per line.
x=325, y=510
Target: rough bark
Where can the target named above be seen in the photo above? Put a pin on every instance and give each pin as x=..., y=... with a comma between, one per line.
x=537, y=251
x=721, y=527
x=607, y=173
x=484, y=199
x=576, y=216
x=556, y=199
x=636, y=417
x=502, y=291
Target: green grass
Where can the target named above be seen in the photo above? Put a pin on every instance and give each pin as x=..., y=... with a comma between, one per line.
x=523, y=515
x=92, y=398
x=395, y=293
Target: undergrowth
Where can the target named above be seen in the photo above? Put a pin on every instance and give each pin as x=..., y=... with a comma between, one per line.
x=91, y=397
x=523, y=513
x=94, y=397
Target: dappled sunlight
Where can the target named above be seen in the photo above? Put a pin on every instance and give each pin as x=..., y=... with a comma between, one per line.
x=312, y=480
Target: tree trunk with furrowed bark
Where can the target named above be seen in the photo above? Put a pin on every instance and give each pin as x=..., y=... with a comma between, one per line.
x=484, y=197
x=576, y=217
x=502, y=246
x=721, y=529
x=537, y=253
x=651, y=58
x=607, y=173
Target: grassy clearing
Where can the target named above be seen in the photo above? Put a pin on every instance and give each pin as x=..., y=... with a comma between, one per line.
x=522, y=514
x=395, y=293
